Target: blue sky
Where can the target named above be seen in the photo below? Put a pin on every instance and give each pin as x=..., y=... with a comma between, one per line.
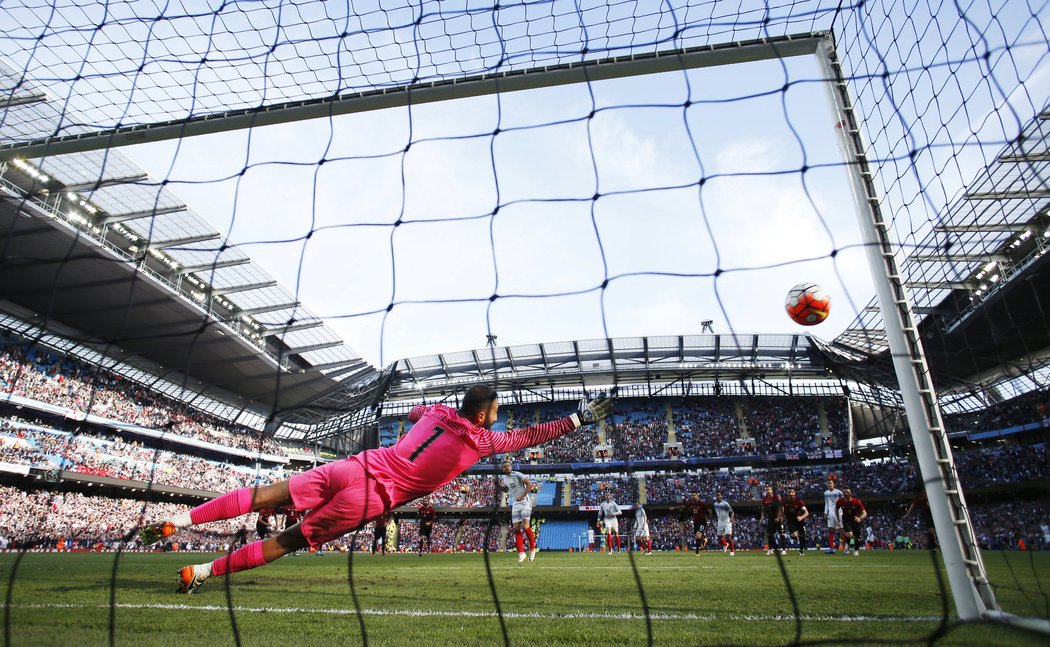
x=513, y=213
x=663, y=235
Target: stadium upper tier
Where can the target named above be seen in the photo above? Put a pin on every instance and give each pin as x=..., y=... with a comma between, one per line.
x=33, y=377
x=113, y=254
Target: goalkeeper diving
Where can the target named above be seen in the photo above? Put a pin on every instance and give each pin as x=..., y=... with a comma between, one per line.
x=345, y=495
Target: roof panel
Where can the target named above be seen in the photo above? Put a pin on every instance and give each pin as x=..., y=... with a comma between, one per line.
x=90, y=167
x=134, y=198
x=168, y=227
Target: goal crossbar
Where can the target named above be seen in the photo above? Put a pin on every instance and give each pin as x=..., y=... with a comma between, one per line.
x=428, y=92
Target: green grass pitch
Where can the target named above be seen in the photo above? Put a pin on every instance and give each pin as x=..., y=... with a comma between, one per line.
x=560, y=599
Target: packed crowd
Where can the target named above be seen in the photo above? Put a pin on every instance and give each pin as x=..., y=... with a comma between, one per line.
x=69, y=520
x=461, y=535
x=592, y=490
x=708, y=428
x=465, y=492
x=641, y=435
x=977, y=467
x=705, y=427
x=1024, y=409
x=33, y=373
x=26, y=443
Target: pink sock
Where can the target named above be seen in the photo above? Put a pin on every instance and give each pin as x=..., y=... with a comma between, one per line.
x=229, y=505
x=242, y=559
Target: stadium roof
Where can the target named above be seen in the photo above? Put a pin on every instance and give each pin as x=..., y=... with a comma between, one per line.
x=978, y=277
x=90, y=240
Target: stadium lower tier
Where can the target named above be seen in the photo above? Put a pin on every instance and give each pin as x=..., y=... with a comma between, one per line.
x=47, y=519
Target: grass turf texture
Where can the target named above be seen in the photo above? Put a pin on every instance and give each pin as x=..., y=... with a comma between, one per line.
x=570, y=599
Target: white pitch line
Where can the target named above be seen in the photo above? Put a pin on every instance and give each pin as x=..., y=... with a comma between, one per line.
x=424, y=613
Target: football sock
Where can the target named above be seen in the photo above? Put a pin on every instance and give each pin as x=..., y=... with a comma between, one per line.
x=831, y=539
x=531, y=537
x=242, y=559
x=227, y=506
x=519, y=541
x=731, y=546
x=649, y=545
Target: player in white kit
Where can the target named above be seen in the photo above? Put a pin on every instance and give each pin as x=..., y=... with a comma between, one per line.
x=724, y=516
x=609, y=513
x=831, y=497
x=518, y=487
x=641, y=530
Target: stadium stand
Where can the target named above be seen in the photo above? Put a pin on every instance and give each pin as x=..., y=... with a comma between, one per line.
x=30, y=375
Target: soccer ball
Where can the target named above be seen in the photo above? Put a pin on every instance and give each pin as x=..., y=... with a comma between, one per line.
x=808, y=304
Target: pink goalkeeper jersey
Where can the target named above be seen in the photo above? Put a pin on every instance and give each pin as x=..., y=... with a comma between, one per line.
x=440, y=446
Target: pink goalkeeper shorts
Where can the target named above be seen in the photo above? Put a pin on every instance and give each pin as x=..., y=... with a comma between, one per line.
x=340, y=499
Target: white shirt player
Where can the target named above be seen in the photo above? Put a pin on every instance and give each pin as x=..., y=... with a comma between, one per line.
x=514, y=483
x=608, y=511
x=723, y=515
x=641, y=522
x=831, y=497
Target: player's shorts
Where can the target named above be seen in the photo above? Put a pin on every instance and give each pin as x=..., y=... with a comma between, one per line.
x=520, y=512
x=851, y=526
x=725, y=528
x=642, y=531
x=426, y=528
x=794, y=526
x=699, y=526
x=612, y=525
x=833, y=522
x=262, y=530
x=340, y=499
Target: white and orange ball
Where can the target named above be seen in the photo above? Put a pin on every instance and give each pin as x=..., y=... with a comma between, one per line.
x=808, y=304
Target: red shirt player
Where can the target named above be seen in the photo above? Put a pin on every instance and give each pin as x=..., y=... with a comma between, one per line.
x=427, y=515
x=263, y=524
x=921, y=505
x=699, y=510
x=795, y=515
x=291, y=516
x=772, y=518
x=344, y=495
x=851, y=511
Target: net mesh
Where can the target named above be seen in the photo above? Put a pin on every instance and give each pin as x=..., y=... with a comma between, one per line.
x=612, y=205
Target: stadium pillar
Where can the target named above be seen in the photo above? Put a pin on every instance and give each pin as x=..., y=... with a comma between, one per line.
x=973, y=595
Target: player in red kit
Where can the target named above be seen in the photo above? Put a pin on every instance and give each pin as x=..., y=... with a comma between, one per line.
x=427, y=515
x=921, y=505
x=699, y=510
x=344, y=495
x=291, y=516
x=262, y=524
x=851, y=511
x=772, y=519
x=795, y=515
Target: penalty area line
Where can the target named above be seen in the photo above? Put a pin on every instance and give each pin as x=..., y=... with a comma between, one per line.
x=424, y=613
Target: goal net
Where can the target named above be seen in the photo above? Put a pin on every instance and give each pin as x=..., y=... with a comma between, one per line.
x=418, y=178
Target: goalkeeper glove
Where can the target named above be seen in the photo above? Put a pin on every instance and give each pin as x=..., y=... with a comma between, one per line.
x=593, y=411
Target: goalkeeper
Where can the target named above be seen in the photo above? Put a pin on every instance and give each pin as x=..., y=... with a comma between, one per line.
x=345, y=495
